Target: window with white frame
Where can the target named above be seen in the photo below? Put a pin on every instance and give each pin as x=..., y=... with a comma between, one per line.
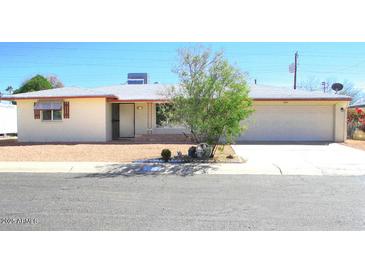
x=51, y=115
x=51, y=110
x=162, y=114
x=164, y=117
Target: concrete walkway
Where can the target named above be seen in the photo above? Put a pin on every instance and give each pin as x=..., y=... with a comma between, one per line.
x=54, y=167
x=136, y=168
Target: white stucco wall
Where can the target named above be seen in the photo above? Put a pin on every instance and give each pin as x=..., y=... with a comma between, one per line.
x=87, y=123
x=108, y=121
x=8, y=120
x=341, y=121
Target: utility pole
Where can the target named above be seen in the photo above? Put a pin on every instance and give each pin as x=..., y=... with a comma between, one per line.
x=295, y=69
x=324, y=87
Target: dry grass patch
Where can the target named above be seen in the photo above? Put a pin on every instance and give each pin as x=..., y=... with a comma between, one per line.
x=359, y=144
x=226, y=154
x=11, y=150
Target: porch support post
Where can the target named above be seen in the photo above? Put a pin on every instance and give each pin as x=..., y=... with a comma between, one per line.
x=149, y=118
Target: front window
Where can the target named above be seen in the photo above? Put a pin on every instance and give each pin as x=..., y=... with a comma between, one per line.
x=51, y=115
x=163, y=115
x=57, y=114
x=47, y=115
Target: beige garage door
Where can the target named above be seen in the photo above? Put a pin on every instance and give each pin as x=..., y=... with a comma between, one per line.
x=290, y=123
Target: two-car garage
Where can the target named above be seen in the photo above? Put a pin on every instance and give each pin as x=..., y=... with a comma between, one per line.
x=290, y=121
x=286, y=115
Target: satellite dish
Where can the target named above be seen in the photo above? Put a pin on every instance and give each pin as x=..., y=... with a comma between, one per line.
x=337, y=87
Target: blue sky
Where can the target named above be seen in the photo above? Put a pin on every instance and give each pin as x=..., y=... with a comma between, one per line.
x=98, y=64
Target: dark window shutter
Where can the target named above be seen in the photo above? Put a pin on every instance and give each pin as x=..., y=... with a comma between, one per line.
x=66, y=110
x=37, y=113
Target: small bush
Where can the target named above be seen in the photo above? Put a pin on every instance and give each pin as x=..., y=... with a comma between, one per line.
x=192, y=152
x=166, y=154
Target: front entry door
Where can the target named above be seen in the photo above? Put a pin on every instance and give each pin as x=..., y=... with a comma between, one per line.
x=126, y=120
x=115, y=121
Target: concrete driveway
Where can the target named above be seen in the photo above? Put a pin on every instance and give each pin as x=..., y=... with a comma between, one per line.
x=312, y=159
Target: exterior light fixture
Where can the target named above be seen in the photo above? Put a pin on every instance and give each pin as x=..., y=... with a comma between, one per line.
x=139, y=107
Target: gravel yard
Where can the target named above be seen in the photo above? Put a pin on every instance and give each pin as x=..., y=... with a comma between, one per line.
x=10, y=150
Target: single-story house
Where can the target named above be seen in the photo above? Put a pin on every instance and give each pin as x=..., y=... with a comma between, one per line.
x=73, y=114
x=8, y=118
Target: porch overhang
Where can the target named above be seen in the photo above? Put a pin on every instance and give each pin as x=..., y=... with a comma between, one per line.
x=304, y=99
x=137, y=101
x=48, y=105
x=16, y=98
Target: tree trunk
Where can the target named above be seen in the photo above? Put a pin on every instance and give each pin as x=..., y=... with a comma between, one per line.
x=215, y=146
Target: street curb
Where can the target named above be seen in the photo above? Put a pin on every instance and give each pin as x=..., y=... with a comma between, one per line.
x=137, y=168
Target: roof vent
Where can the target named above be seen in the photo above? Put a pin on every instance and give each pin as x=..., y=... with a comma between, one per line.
x=137, y=78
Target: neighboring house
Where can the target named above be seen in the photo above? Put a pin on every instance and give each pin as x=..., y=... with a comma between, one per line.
x=7, y=118
x=102, y=114
x=358, y=104
x=352, y=131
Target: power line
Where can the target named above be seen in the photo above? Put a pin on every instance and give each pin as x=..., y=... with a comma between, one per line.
x=295, y=69
x=227, y=51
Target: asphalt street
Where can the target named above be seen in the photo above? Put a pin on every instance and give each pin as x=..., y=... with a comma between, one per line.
x=59, y=201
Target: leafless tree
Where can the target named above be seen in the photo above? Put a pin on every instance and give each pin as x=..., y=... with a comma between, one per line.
x=349, y=88
x=55, y=81
x=311, y=84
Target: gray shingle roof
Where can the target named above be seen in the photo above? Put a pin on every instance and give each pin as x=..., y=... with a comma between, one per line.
x=136, y=92
x=59, y=92
x=155, y=92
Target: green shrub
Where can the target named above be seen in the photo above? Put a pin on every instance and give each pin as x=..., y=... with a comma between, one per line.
x=166, y=154
x=36, y=83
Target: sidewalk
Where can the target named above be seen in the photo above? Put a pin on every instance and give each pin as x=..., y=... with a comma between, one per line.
x=110, y=168
x=53, y=167
x=105, y=169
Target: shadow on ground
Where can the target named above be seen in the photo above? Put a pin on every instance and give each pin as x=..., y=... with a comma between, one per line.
x=128, y=170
